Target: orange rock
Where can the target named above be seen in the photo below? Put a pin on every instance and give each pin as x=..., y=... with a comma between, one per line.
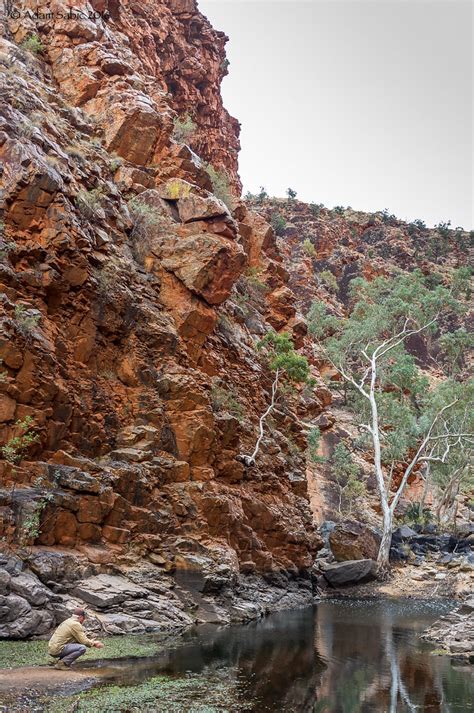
x=116, y=535
x=207, y=264
x=7, y=408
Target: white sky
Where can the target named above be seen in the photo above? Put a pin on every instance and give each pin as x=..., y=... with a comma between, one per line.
x=366, y=103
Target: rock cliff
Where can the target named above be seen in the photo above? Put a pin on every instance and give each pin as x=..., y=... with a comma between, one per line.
x=135, y=285
x=130, y=312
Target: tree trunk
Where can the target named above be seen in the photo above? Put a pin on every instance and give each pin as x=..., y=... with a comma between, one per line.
x=250, y=459
x=383, y=558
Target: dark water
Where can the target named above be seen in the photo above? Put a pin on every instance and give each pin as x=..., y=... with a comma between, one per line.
x=340, y=657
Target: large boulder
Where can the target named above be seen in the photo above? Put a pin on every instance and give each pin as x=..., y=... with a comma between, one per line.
x=351, y=540
x=105, y=590
x=28, y=586
x=207, y=264
x=18, y=620
x=350, y=572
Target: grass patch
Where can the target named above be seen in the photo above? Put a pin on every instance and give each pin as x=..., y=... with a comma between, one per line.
x=35, y=653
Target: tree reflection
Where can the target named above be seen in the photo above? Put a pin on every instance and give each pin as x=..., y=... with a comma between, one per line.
x=375, y=662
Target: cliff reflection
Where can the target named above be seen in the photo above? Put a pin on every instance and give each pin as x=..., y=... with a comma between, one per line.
x=340, y=657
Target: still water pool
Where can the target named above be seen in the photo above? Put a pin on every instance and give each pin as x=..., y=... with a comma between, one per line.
x=339, y=657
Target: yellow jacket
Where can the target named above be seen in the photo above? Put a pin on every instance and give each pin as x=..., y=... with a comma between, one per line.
x=70, y=631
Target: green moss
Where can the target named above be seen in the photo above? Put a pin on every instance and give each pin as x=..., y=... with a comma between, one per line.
x=210, y=693
x=35, y=653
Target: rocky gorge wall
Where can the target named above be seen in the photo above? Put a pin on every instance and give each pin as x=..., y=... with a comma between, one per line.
x=130, y=311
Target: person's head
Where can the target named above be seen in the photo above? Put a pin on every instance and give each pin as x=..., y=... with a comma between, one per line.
x=80, y=614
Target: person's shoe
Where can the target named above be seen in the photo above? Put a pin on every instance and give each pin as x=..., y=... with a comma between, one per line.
x=61, y=666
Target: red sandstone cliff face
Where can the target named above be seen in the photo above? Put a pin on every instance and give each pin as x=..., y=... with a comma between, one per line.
x=129, y=317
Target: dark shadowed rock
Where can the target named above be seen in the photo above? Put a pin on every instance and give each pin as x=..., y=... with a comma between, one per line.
x=403, y=533
x=350, y=572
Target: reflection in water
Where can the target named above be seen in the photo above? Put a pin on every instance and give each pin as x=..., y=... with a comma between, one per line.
x=376, y=662
x=341, y=657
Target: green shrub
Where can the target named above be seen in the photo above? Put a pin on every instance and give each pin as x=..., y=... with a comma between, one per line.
x=147, y=220
x=314, y=438
x=309, y=248
x=89, y=201
x=462, y=282
x=278, y=223
x=328, y=279
x=320, y=323
x=262, y=195
x=32, y=44
x=184, y=129
x=220, y=184
x=115, y=162
x=444, y=229
x=223, y=400
x=14, y=450
x=316, y=208
x=387, y=217
x=291, y=194
x=415, y=514
x=338, y=209
x=26, y=323
x=253, y=277
x=6, y=248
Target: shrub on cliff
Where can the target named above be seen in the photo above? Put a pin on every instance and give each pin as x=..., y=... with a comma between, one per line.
x=223, y=400
x=146, y=222
x=220, y=184
x=88, y=202
x=309, y=248
x=328, y=279
x=26, y=320
x=32, y=44
x=15, y=449
x=316, y=208
x=278, y=223
x=184, y=129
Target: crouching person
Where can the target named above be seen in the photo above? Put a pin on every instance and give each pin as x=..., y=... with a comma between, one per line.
x=70, y=641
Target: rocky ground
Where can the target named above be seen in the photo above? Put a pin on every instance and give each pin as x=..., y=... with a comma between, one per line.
x=38, y=592
x=455, y=631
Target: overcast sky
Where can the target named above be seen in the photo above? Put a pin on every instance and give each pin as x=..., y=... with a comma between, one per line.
x=366, y=103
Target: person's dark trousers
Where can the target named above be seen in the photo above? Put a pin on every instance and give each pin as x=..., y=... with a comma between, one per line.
x=71, y=652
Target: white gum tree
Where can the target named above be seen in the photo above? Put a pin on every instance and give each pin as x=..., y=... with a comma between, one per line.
x=405, y=419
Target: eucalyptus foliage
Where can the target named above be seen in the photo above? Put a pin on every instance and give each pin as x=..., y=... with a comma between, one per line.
x=406, y=418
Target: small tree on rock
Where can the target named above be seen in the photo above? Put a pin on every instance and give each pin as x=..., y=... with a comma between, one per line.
x=284, y=363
